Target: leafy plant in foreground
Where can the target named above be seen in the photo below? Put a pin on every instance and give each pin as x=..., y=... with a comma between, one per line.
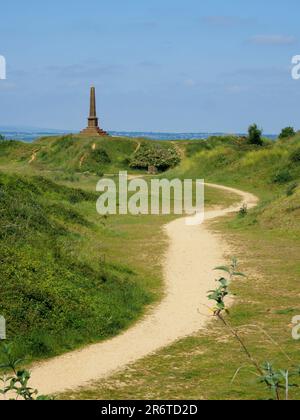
x=276, y=381
x=15, y=385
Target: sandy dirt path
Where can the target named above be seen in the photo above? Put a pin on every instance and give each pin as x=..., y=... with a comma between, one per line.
x=193, y=253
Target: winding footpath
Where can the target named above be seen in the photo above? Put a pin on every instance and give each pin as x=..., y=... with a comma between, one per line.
x=193, y=253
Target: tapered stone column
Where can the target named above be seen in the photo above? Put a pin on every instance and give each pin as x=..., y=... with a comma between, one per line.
x=93, y=128
x=93, y=112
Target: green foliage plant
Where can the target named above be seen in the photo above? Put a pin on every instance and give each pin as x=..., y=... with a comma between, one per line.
x=276, y=381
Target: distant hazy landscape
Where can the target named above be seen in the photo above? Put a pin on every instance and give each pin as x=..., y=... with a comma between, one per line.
x=29, y=134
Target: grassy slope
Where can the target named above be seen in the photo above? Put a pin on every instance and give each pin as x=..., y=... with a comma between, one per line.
x=267, y=242
x=55, y=296
x=68, y=276
x=70, y=156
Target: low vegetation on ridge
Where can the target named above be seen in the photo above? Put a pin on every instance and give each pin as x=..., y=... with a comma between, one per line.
x=72, y=155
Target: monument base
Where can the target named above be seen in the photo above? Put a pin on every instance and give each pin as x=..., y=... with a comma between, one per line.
x=93, y=132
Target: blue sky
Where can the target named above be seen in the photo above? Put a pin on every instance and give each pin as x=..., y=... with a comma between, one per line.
x=159, y=65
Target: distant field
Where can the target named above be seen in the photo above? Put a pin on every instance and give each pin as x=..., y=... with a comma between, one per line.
x=30, y=135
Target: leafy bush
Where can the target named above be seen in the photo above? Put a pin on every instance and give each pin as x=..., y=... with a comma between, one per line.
x=2, y=137
x=282, y=176
x=287, y=132
x=161, y=158
x=295, y=156
x=255, y=135
x=15, y=381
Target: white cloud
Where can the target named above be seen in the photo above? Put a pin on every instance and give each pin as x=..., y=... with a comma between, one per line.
x=273, y=40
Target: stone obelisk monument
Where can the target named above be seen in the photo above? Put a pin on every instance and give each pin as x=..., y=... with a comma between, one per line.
x=93, y=128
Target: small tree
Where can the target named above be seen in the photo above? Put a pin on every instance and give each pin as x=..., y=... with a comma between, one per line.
x=2, y=137
x=254, y=135
x=287, y=132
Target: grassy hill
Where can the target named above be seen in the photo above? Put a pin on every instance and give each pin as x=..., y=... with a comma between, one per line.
x=71, y=156
x=52, y=296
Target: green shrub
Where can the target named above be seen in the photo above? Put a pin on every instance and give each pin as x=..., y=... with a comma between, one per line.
x=282, y=176
x=295, y=156
x=15, y=384
x=255, y=135
x=2, y=137
x=161, y=158
x=287, y=132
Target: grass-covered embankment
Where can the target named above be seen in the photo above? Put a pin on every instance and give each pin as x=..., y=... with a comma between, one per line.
x=53, y=297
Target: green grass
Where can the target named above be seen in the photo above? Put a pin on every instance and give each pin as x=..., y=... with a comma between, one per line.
x=70, y=156
x=53, y=296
